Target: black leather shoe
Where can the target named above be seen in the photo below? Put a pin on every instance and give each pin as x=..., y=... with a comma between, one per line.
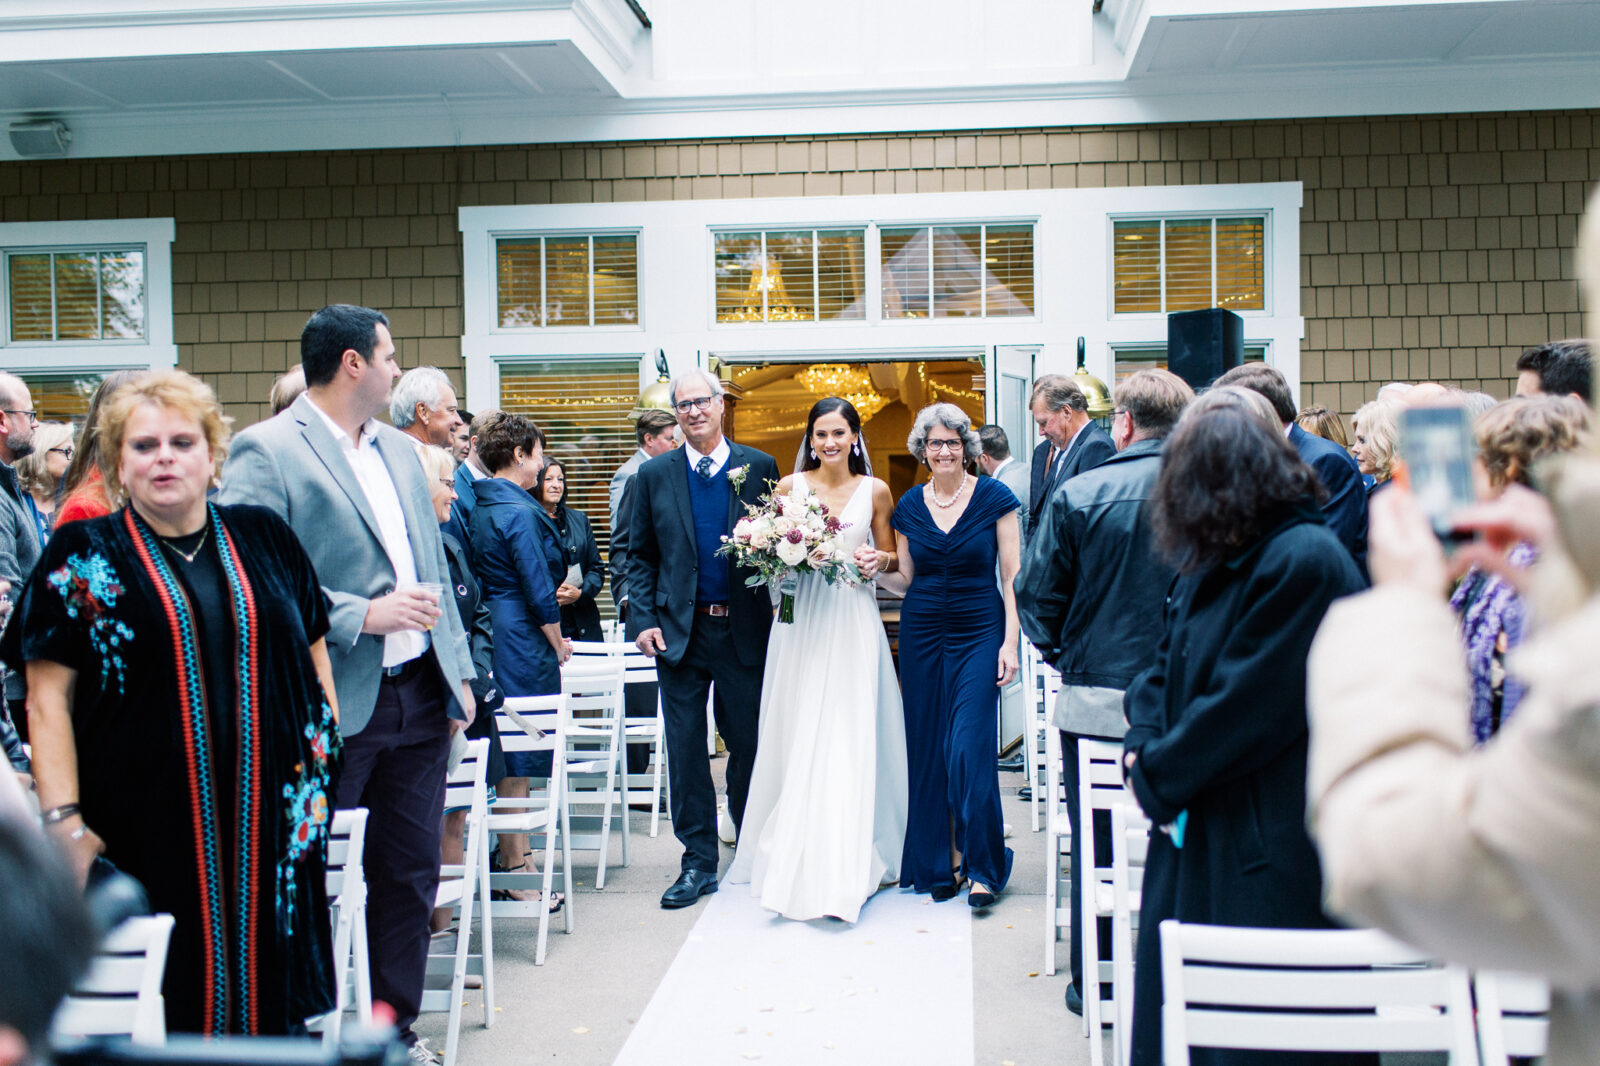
x=1025, y=793
x=1074, y=1000
x=688, y=888
x=1011, y=764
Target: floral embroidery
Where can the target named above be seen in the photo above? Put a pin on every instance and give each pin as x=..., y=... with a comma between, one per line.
x=306, y=809
x=89, y=587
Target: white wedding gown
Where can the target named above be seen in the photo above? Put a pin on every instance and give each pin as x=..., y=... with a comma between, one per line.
x=826, y=816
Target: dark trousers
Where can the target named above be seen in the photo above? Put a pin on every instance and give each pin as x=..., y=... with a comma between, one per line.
x=709, y=658
x=639, y=702
x=395, y=768
x=1102, y=858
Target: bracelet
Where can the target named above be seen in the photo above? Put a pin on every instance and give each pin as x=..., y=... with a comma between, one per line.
x=59, y=814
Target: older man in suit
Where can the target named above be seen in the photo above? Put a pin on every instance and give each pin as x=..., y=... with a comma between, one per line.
x=355, y=495
x=697, y=617
x=1072, y=442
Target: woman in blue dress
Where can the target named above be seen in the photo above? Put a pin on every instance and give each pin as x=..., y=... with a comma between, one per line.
x=958, y=648
x=518, y=570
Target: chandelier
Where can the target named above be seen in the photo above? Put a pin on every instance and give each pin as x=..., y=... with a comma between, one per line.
x=765, y=298
x=848, y=381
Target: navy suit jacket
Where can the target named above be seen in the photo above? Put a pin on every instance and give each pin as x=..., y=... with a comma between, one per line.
x=1088, y=449
x=1346, y=508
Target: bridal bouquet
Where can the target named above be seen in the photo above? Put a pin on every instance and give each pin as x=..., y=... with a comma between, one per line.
x=784, y=536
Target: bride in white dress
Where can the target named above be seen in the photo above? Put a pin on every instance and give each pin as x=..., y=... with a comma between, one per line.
x=826, y=816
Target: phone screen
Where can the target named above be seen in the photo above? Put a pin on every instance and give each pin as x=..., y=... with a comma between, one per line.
x=1436, y=444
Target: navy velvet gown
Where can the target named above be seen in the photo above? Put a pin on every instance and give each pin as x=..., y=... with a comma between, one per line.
x=951, y=626
x=518, y=569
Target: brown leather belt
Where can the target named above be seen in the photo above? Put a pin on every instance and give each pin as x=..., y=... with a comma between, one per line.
x=715, y=610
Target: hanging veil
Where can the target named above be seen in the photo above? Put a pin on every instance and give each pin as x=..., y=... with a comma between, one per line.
x=861, y=439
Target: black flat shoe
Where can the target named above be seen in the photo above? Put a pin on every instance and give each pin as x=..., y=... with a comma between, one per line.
x=978, y=899
x=941, y=893
x=688, y=888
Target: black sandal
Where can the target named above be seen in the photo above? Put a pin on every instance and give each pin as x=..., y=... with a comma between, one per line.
x=503, y=895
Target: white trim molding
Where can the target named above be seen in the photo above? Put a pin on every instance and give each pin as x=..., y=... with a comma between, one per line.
x=1072, y=279
x=156, y=350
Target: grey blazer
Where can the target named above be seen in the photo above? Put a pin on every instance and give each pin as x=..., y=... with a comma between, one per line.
x=293, y=465
x=1014, y=476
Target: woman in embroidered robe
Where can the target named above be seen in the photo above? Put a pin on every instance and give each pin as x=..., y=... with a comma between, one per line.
x=182, y=714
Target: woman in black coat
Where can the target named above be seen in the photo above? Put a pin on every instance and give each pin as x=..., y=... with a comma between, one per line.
x=1216, y=748
x=580, y=614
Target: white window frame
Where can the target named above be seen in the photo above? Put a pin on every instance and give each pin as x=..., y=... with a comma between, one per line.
x=868, y=240
x=545, y=236
x=156, y=351
x=1164, y=217
x=1072, y=277
x=983, y=225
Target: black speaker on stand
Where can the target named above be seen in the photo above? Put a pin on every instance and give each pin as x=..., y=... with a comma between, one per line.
x=1204, y=345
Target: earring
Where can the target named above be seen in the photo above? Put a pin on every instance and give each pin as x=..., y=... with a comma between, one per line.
x=813, y=453
x=855, y=449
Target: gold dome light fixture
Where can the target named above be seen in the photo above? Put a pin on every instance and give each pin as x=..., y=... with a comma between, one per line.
x=656, y=396
x=1094, y=389
x=848, y=381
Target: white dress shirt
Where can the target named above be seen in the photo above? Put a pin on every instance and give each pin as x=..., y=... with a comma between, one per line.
x=719, y=456
x=378, y=486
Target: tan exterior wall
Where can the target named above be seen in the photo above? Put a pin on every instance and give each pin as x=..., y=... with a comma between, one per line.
x=1431, y=247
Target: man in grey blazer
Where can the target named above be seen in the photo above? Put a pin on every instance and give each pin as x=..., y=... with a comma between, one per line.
x=995, y=459
x=355, y=495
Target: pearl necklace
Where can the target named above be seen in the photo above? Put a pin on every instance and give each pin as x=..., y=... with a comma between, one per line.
x=944, y=505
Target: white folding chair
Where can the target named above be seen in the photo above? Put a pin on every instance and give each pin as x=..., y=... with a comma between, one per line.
x=121, y=993
x=1308, y=990
x=639, y=669
x=1042, y=684
x=464, y=888
x=593, y=681
x=1057, y=850
x=1130, y=844
x=1100, y=788
x=536, y=723
x=347, y=902
x=1513, y=1016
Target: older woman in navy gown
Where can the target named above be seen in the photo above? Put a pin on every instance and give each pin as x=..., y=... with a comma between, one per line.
x=518, y=567
x=958, y=630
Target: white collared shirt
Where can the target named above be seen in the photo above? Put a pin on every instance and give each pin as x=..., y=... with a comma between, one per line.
x=1007, y=461
x=719, y=455
x=377, y=484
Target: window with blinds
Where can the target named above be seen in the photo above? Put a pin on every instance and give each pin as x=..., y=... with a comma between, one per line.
x=567, y=280
x=980, y=271
x=75, y=295
x=1132, y=359
x=582, y=405
x=1186, y=264
x=62, y=398
x=807, y=275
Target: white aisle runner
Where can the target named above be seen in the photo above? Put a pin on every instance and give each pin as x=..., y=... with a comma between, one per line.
x=749, y=986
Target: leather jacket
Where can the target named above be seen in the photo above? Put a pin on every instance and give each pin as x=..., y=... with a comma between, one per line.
x=1092, y=587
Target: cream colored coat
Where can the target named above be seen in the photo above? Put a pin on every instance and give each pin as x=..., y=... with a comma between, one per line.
x=1487, y=857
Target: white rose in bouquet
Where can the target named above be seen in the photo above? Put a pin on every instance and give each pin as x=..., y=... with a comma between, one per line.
x=792, y=553
x=795, y=508
x=761, y=536
x=782, y=524
x=743, y=530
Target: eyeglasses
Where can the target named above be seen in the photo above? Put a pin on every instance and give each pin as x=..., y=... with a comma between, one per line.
x=702, y=403
x=446, y=482
x=68, y=451
x=33, y=416
x=945, y=445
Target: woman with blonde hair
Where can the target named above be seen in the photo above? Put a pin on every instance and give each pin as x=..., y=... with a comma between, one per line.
x=182, y=713
x=41, y=472
x=1377, y=428
x=1323, y=423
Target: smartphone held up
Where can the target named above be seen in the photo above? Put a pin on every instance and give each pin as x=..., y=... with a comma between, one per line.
x=1436, y=447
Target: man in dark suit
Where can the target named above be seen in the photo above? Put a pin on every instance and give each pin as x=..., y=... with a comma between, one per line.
x=355, y=495
x=1072, y=441
x=697, y=617
x=1345, y=509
